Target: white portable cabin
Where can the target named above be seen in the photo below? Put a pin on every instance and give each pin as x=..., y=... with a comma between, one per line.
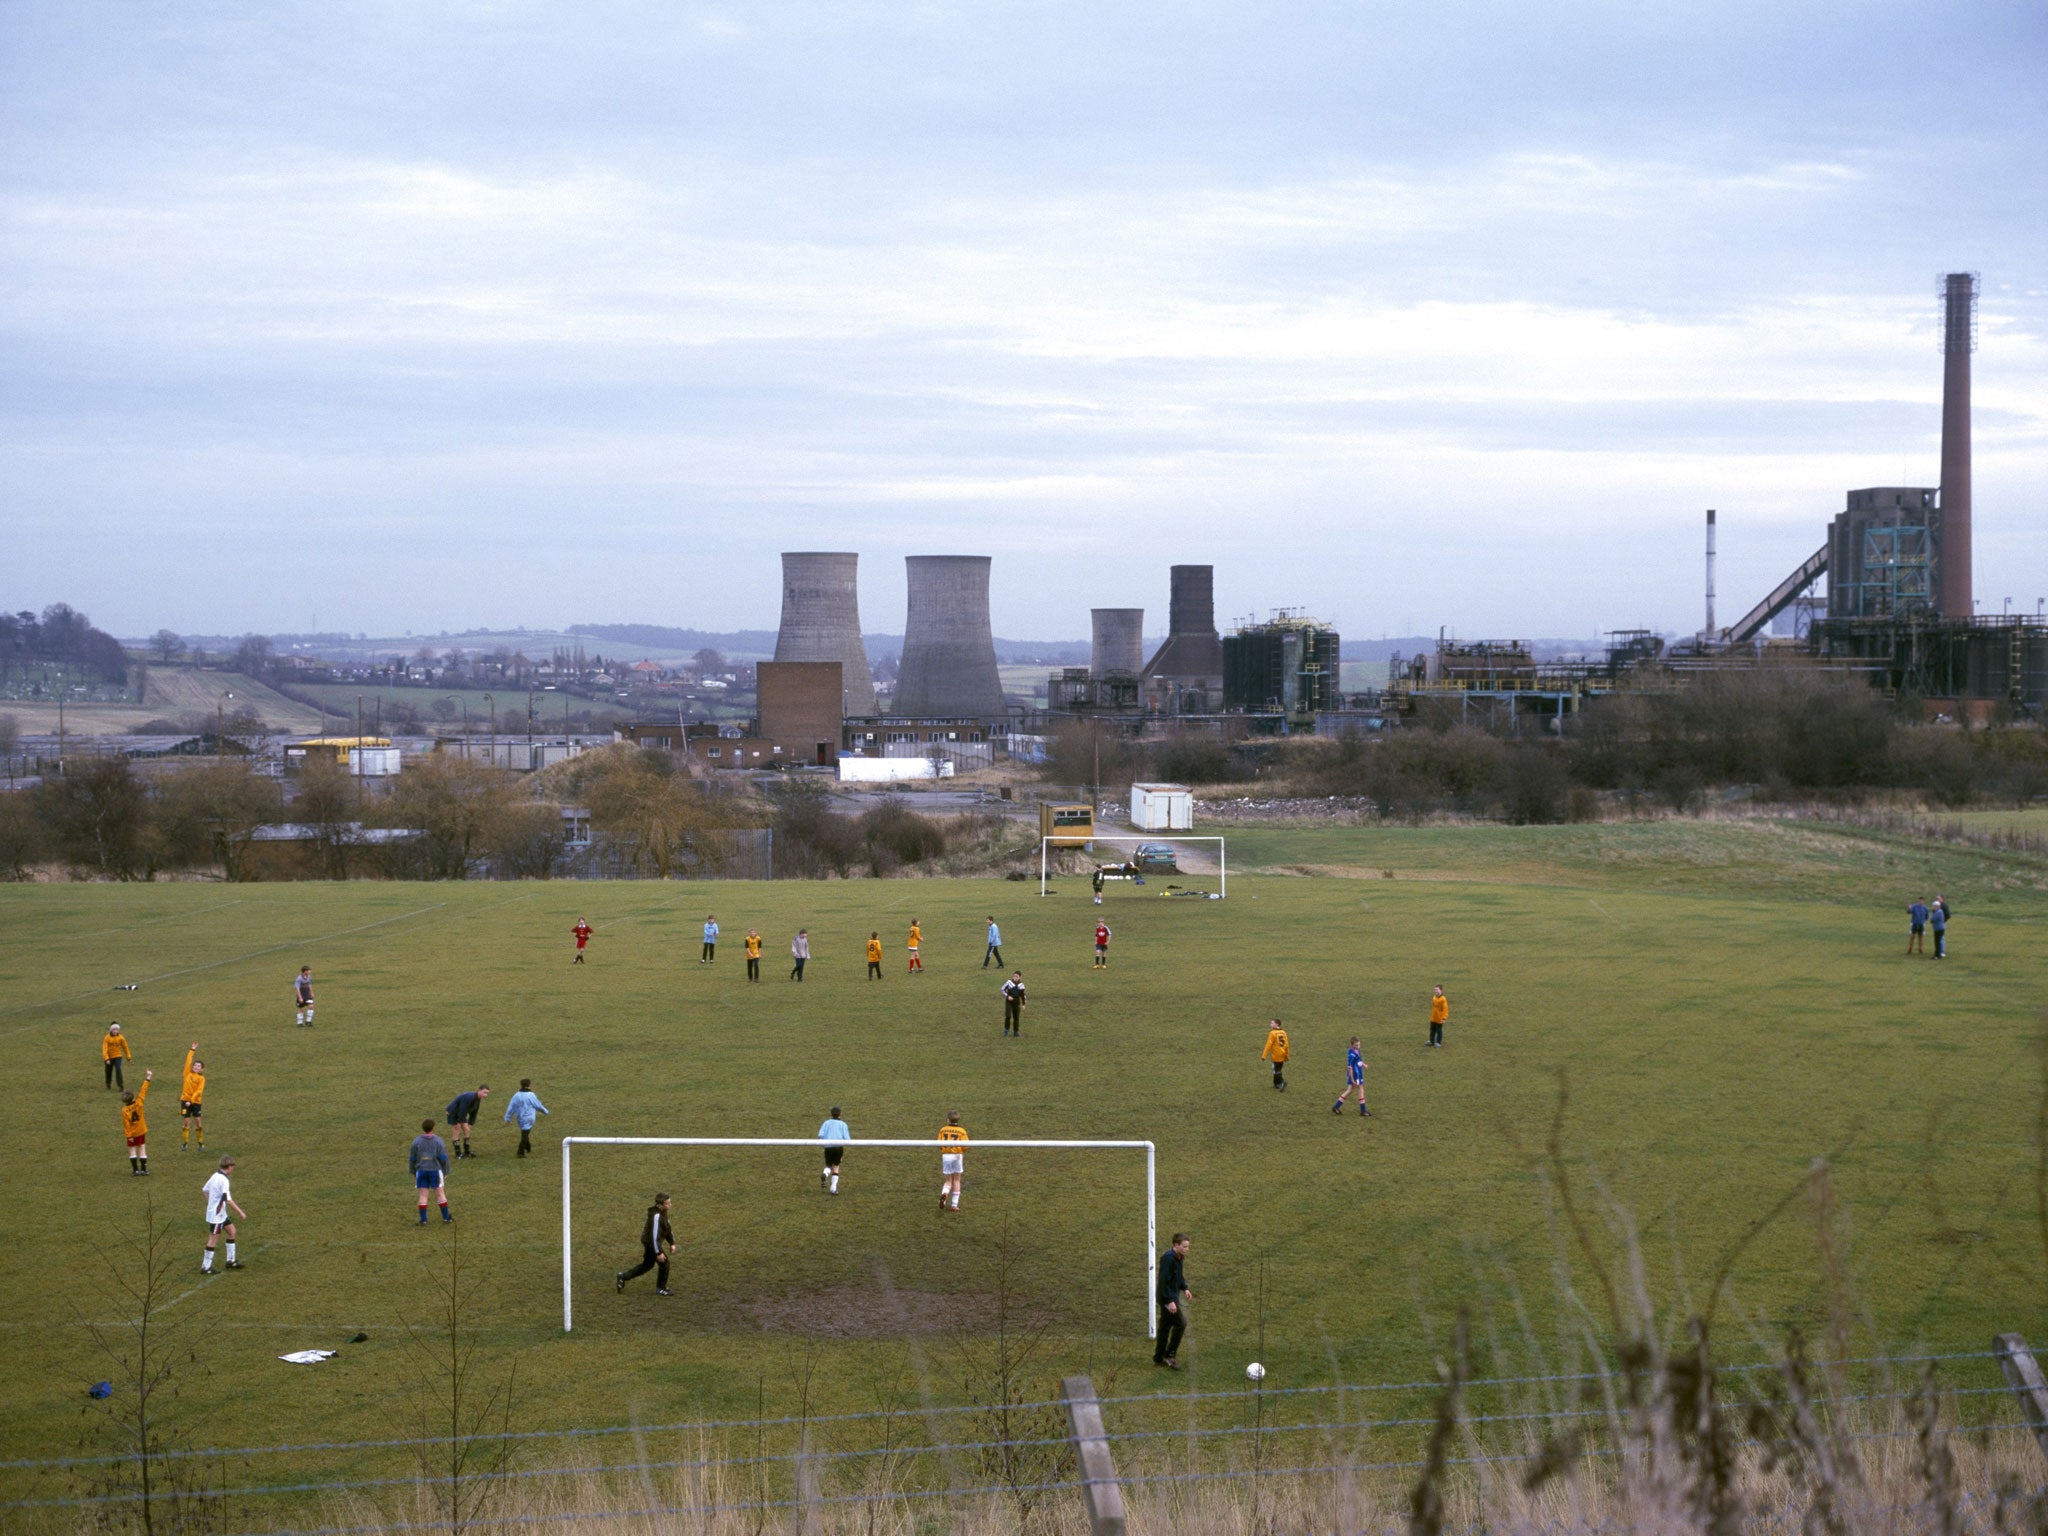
x=1162, y=807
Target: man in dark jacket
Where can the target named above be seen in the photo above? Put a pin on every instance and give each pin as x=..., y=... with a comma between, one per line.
x=1173, y=1295
x=462, y=1112
x=657, y=1247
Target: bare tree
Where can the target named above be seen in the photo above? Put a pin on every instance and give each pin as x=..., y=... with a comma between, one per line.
x=167, y=645
x=150, y=1356
x=465, y=1422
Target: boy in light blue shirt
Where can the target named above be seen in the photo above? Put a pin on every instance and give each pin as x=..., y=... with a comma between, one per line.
x=710, y=941
x=523, y=1107
x=834, y=1129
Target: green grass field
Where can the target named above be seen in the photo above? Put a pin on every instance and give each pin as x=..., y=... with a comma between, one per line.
x=1730, y=1001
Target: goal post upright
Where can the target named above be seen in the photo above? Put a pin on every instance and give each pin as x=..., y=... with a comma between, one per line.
x=1070, y=840
x=814, y=1143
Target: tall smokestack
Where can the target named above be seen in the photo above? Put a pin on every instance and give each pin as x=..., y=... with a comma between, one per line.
x=821, y=621
x=949, y=651
x=1119, y=641
x=1958, y=341
x=1711, y=632
x=1193, y=651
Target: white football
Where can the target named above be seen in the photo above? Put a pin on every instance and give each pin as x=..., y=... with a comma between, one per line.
x=1256, y=1371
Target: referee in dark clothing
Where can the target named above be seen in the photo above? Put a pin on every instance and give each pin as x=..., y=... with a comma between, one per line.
x=1173, y=1296
x=657, y=1247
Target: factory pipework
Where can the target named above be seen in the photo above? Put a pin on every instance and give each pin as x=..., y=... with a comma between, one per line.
x=1958, y=340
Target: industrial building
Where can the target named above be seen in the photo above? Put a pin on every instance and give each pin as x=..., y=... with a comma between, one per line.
x=821, y=622
x=800, y=712
x=949, y=649
x=1285, y=665
x=1185, y=675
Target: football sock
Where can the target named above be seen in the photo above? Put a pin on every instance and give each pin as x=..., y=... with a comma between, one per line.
x=185, y=1137
x=956, y=1202
x=206, y=1262
x=423, y=1215
x=231, y=1251
x=446, y=1214
x=132, y=1163
x=835, y=1183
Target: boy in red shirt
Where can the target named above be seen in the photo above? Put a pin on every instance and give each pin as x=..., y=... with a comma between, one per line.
x=582, y=932
x=1102, y=946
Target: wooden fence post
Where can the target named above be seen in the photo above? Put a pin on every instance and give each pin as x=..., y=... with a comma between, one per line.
x=1105, y=1495
x=2023, y=1374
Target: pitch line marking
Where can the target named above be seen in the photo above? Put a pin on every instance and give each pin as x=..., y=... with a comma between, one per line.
x=189, y=970
x=168, y=917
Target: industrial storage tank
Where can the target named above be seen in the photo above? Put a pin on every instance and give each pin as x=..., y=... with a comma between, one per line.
x=949, y=649
x=821, y=621
x=1119, y=641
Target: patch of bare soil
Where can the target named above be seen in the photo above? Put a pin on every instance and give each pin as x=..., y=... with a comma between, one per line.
x=855, y=1312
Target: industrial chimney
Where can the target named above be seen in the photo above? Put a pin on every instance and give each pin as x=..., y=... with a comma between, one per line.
x=1119, y=641
x=1710, y=634
x=1193, y=652
x=949, y=651
x=821, y=621
x=1958, y=341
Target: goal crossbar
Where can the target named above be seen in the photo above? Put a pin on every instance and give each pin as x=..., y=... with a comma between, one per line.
x=1074, y=840
x=817, y=1143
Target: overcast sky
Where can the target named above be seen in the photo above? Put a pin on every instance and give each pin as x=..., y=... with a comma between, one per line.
x=415, y=316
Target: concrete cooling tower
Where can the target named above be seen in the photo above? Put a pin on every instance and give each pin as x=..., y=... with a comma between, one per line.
x=1119, y=641
x=1193, y=652
x=821, y=621
x=949, y=651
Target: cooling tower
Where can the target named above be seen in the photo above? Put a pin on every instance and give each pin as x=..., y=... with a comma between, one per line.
x=1193, y=650
x=1119, y=641
x=949, y=651
x=821, y=621
x=1958, y=339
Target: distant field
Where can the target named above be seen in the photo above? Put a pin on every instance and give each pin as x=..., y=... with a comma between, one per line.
x=172, y=692
x=510, y=704
x=1729, y=1000
x=2033, y=819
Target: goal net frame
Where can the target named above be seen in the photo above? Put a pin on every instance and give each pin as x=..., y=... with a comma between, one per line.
x=1070, y=841
x=817, y=1144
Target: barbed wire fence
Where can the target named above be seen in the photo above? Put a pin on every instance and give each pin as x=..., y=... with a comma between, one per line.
x=1278, y=1460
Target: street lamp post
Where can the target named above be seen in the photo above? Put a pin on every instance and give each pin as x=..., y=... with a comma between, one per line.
x=492, y=750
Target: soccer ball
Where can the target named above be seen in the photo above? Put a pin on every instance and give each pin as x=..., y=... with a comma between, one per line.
x=1256, y=1371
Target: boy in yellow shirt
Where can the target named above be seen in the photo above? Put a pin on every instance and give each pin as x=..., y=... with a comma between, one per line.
x=1439, y=1016
x=874, y=955
x=114, y=1049
x=1277, y=1051
x=135, y=1127
x=952, y=1161
x=753, y=954
x=189, y=1095
x=916, y=938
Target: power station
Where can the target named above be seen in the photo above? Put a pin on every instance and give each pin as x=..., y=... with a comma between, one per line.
x=821, y=622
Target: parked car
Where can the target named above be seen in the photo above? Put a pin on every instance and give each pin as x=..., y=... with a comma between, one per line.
x=1156, y=858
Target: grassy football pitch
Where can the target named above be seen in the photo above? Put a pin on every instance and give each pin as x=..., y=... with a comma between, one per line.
x=1729, y=1001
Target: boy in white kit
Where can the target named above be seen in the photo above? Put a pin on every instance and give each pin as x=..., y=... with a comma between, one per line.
x=219, y=1201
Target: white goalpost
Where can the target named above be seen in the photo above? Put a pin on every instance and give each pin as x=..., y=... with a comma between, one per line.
x=817, y=1145
x=1071, y=842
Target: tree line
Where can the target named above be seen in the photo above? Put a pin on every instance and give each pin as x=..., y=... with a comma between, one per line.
x=62, y=635
x=1775, y=733
x=104, y=818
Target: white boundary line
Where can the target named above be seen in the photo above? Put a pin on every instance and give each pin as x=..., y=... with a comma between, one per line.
x=1151, y=1185
x=1066, y=840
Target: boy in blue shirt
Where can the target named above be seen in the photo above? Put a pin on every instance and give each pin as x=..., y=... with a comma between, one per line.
x=1354, y=1078
x=523, y=1107
x=428, y=1160
x=710, y=941
x=1916, y=914
x=834, y=1129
